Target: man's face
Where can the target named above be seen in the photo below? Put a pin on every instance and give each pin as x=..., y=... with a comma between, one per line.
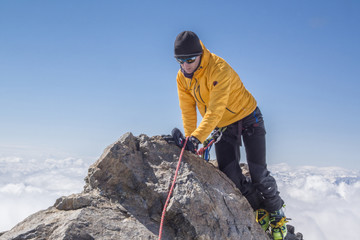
x=191, y=67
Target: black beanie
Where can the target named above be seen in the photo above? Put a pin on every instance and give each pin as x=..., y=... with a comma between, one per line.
x=187, y=44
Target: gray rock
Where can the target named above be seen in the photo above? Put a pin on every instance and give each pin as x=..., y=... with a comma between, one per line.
x=73, y=202
x=125, y=192
x=292, y=235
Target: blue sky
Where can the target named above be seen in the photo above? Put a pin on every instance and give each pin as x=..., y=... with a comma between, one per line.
x=76, y=75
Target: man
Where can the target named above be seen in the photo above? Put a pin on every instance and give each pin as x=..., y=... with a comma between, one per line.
x=207, y=82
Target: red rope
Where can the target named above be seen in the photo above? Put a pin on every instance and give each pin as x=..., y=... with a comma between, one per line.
x=171, y=189
x=202, y=150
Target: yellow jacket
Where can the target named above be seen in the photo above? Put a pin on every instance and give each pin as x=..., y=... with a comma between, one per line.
x=217, y=91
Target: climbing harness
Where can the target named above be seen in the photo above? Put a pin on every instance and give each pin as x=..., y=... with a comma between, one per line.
x=214, y=138
x=171, y=189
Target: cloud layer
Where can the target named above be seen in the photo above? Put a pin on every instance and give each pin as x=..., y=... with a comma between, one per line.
x=30, y=185
x=322, y=202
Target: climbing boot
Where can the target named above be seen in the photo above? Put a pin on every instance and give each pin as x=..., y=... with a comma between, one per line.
x=263, y=218
x=278, y=225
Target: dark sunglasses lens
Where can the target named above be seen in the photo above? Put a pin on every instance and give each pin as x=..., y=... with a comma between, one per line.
x=181, y=61
x=191, y=60
x=188, y=60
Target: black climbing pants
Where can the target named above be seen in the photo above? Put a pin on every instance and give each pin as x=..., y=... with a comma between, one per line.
x=261, y=191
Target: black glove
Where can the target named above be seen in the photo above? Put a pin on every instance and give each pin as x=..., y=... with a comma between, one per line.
x=192, y=144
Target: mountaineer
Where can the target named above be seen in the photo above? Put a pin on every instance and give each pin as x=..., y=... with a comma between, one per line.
x=208, y=82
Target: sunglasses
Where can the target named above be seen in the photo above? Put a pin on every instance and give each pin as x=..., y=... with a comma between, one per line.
x=188, y=60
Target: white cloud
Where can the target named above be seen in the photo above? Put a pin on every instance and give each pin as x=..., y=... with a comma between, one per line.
x=18, y=189
x=30, y=185
x=322, y=202
x=16, y=207
x=10, y=159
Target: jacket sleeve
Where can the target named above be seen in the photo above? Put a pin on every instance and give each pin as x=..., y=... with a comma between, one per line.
x=187, y=106
x=219, y=83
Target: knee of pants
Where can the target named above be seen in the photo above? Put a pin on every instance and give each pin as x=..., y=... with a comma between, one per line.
x=258, y=170
x=226, y=153
x=255, y=147
x=234, y=173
